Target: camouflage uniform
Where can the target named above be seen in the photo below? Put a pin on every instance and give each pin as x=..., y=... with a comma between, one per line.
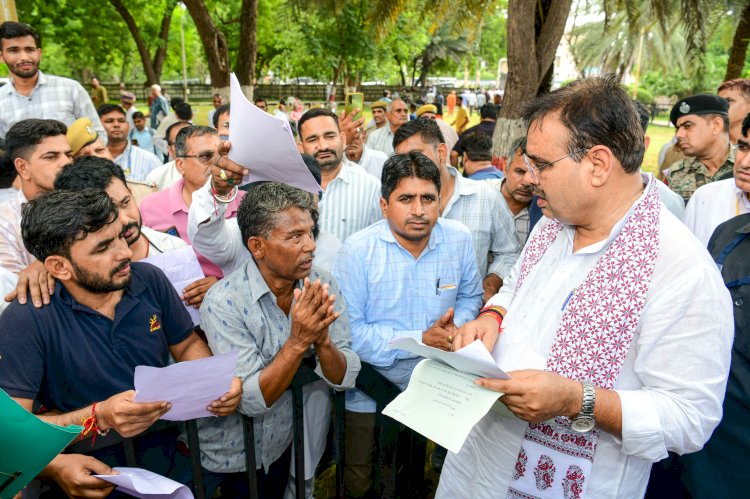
x=687, y=175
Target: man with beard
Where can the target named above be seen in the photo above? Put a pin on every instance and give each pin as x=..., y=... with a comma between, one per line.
x=702, y=123
x=350, y=200
x=33, y=94
x=382, y=138
x=90, y=172
x=77, y=356
x=38, y=149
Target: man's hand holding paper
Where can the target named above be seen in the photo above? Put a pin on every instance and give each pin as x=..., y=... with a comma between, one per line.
x=231, y=171
x=535, y=396
x=227, y=404
x=126, y=416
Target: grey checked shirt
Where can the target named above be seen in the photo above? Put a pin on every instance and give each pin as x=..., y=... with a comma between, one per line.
x=240, y=313
x=477, y=205
x=53, y=98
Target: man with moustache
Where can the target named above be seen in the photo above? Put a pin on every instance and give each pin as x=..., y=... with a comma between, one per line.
x=717, y=202
x=382, y=138
x=614, y=327
x=702, y=123
x=135, y=161
x=387, y=273
x=351, y=196
x=33, y=94
x=106, y=317
x=379, y=119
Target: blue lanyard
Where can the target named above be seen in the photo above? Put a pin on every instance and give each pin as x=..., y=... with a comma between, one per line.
x=725, y=253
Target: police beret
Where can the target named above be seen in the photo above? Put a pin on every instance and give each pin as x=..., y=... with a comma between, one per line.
x=379, y=103
x=427, y=108
x=699, y=104
x=80, y=134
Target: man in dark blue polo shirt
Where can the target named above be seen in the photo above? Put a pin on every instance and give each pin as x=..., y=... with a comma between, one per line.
x=77, y=356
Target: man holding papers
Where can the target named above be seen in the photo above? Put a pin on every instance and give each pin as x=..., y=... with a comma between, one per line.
x=614, y=325
x=408, y=275
x=278, y=311
x=77, y=355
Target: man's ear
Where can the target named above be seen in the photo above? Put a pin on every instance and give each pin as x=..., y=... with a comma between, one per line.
x=442, y=150
x=603, y=162
x=179, y=166
x=59, y=267
x=22, y=167
x=256, y=247
x=384, y=206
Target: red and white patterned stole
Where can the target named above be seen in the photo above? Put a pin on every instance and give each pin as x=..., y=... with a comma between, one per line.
x=590, y=344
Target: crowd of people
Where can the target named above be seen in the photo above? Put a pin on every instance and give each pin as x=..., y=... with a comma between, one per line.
x=613, y=299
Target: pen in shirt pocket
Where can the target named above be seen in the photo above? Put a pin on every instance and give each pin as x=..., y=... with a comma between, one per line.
x=570, y=295
x=445, y=287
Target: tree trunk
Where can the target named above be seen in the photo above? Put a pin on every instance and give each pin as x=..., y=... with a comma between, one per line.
x=140, y=44
x=161, y=51
x=736, y=62
x=531, y=51
x=248, y=49
x=214, y=45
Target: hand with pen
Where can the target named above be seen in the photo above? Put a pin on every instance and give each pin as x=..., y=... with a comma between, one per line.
x=441, y=333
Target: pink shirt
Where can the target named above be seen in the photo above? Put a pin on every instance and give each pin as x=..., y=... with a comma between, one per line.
x=166, y=211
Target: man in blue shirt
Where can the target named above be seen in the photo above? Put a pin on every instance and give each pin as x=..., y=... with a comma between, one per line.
x=77, y=356
x=477, y=157
x=411, y=274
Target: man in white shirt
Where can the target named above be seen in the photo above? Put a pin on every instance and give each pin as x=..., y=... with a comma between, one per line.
x=357, y=153
x=717, y=202
x=381, y=139
x=38, y=150
x=166, y=175
x=351, y=196
x=135, y=162
x=33, y=94
x=615, y=326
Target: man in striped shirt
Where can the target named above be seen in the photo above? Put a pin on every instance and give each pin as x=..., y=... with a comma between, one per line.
x=351, y=196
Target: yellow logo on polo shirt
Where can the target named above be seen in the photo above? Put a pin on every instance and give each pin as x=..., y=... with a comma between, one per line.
x=154, y=324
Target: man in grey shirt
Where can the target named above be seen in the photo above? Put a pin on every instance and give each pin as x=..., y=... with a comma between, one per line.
x=271, y=312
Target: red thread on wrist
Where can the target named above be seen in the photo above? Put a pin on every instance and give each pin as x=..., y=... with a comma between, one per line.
x=90, y=423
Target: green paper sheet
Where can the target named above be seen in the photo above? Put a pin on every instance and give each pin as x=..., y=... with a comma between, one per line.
x=27, y=445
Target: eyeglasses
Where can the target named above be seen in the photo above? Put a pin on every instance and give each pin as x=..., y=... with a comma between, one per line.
x=534, y=167
x=204, y=157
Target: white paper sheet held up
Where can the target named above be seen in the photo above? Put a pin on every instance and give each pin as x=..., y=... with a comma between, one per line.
x=181, y=267
x=265, y=145
x=143, y=483
x=442, y=404
x=473, y=358
x=189, y=386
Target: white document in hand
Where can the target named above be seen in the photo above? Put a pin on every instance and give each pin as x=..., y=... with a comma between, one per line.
x=181, y=267
x=189, y=386
x=265, y=145
x=143, y=483
x=473, y=358
x=442, y=404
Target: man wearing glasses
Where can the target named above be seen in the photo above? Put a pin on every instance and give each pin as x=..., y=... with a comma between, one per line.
x=382, y=138
x=614, y=325
x=167, y=210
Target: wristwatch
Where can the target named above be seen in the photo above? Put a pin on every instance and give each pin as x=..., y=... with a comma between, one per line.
x=584, y=422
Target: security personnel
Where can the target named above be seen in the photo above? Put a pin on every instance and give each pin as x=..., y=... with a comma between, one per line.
x=702, y=123
x=728, y=451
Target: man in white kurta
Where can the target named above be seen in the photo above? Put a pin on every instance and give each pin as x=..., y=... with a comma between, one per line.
x=717, y=202
x=669, y=388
